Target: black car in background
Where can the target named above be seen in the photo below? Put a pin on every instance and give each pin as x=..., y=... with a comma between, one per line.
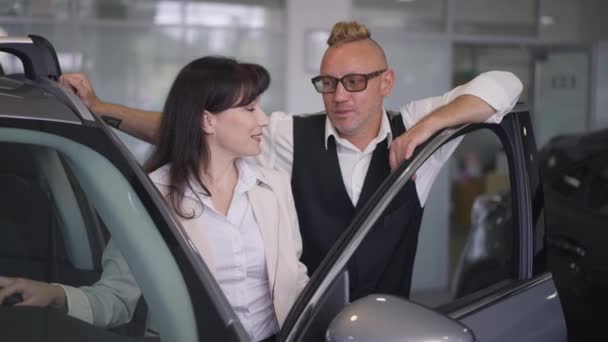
x=574, y=171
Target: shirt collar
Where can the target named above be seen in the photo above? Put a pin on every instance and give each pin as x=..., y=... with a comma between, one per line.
x=385, y=131
x=246, y=181
x=248, y=178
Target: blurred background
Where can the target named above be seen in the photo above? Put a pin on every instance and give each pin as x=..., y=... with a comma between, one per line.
x=133, y=49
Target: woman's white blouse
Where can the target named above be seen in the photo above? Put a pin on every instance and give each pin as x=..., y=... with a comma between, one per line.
x=238, y=257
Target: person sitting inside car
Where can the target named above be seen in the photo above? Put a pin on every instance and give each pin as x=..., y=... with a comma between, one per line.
x=212, y=120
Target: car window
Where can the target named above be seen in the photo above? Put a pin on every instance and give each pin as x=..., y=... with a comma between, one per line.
x=50, y=230
x=26, y=211
x=36, y=246
x=467, y=243
x=183, y=300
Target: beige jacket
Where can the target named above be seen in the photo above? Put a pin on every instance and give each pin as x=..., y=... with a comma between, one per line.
x=273, y=206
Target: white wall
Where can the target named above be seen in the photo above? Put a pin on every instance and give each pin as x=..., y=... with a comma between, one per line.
x=303, y=19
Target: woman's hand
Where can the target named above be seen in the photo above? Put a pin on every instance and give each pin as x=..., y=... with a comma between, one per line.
x=34, y=293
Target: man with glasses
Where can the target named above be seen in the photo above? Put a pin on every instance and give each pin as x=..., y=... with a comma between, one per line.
x=339, y=157
x=351, y=82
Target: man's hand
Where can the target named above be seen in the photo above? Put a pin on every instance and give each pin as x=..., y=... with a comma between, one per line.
x=81, y=85
x=404, y=145
x=461, y=110
x=139, y=123
x=34, y=293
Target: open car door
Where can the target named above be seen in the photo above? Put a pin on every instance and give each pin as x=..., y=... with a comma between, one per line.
x=503, y=293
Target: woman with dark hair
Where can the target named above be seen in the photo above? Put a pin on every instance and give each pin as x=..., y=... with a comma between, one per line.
x=241, y=218
x=228, y=207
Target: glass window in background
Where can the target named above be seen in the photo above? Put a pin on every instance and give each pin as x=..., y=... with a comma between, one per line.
x=561, y=93
x=422, y=67
x=573, y=20
x=405, y=15
x=132, y=50
x=39, y=9
x=480, y=230
x=156, y=38
x=471, y=60
x=495, y=17
x=556, y=82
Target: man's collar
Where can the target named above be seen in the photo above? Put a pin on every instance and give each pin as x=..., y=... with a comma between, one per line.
x=384, y=132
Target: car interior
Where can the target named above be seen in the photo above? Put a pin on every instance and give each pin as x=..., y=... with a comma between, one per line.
x=43, y=212
x=36, y=226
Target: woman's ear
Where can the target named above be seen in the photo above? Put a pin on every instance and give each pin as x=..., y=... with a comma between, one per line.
x=208, y=123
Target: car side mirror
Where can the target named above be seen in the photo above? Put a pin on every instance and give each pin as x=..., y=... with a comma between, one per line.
x=389, y=318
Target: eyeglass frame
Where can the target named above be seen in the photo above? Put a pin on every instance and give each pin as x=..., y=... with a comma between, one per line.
x=366, y=77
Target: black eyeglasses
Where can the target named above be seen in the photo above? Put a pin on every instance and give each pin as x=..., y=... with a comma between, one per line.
x=351, y=82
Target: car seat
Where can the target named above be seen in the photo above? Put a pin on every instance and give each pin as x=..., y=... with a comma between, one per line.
x=25, y=217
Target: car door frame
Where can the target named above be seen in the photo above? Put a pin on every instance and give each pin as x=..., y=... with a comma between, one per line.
x=515, y=132
x=98, y=137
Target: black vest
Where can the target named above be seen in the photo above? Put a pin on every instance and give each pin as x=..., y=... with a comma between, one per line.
x=383, y=263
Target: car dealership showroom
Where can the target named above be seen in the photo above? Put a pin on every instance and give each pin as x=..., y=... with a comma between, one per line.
x=437, y=170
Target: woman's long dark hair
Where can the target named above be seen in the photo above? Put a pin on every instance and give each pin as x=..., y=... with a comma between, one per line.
x=211, y=84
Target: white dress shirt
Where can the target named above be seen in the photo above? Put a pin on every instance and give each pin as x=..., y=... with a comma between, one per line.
x=497, y=88
x=238, y=256
x=253, y=252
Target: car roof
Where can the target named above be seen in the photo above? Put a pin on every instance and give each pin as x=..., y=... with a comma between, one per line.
x=23, y=99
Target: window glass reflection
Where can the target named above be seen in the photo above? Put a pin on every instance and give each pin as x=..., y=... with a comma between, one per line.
x=409, y=15
x=58, y=9
x=471, y=60
x=132, y=50
x=495, y=17
x=573, y=20
x=474, y=251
